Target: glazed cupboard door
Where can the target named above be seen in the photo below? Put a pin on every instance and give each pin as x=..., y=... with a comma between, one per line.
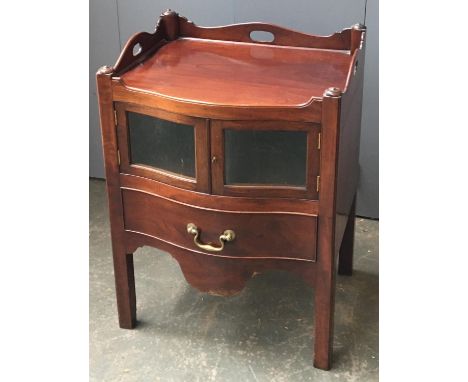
x=265, y=158
x=163, y=146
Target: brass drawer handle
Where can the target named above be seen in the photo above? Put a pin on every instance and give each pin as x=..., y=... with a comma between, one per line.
x=227, y=236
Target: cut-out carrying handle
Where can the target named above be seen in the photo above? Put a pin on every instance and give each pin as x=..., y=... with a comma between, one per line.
x=262, y=36
x=281, y=36
x=137, y=49
x=264, y=33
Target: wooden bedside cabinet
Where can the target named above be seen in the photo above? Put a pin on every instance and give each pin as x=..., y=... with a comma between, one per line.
x=235, y=156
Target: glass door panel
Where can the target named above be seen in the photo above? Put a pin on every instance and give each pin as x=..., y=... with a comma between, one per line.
x=265, y=157
x=167, y=147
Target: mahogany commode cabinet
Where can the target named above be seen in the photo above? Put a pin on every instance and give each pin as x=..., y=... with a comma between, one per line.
x=236, y=154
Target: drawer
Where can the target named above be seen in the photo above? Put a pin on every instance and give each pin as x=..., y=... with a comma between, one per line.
x=257, y=234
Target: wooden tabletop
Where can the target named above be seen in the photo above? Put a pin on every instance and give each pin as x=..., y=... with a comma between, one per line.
x=239, y=74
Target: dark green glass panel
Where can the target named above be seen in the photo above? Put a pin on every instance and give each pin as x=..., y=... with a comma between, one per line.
x=162, y=144
x=265, y=157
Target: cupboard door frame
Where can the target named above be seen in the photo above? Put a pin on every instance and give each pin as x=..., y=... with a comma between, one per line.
x=218, y=186
x=202, y=180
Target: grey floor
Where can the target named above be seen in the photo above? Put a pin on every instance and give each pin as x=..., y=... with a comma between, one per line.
x=263, y=334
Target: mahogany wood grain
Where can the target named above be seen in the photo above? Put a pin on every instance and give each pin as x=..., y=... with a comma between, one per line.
x=123, y=261
x=218, y=275
x=226, y=203
x=308, y=113
x=142, y=45
x=147, y=43
x=325, y=276
x=282, y=36
x=349, y=142
x=171, y=26
x=345, y=260
x=219, y=76
x=258, y=235
x=250, y=75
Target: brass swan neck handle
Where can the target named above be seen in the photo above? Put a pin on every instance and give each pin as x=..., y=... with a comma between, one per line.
x=227, y=236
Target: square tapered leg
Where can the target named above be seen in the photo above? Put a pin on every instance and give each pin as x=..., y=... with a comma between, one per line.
x=125, y=289
x=345, y=260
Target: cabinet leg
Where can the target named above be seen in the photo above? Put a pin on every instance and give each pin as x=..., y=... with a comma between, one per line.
x=345, y=260
x=324, y=311
x=125, y=289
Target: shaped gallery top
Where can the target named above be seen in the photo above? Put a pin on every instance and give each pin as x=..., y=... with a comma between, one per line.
x=224, y=66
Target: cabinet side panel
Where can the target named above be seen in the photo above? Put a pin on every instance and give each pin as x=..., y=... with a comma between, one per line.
x=348, y=154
